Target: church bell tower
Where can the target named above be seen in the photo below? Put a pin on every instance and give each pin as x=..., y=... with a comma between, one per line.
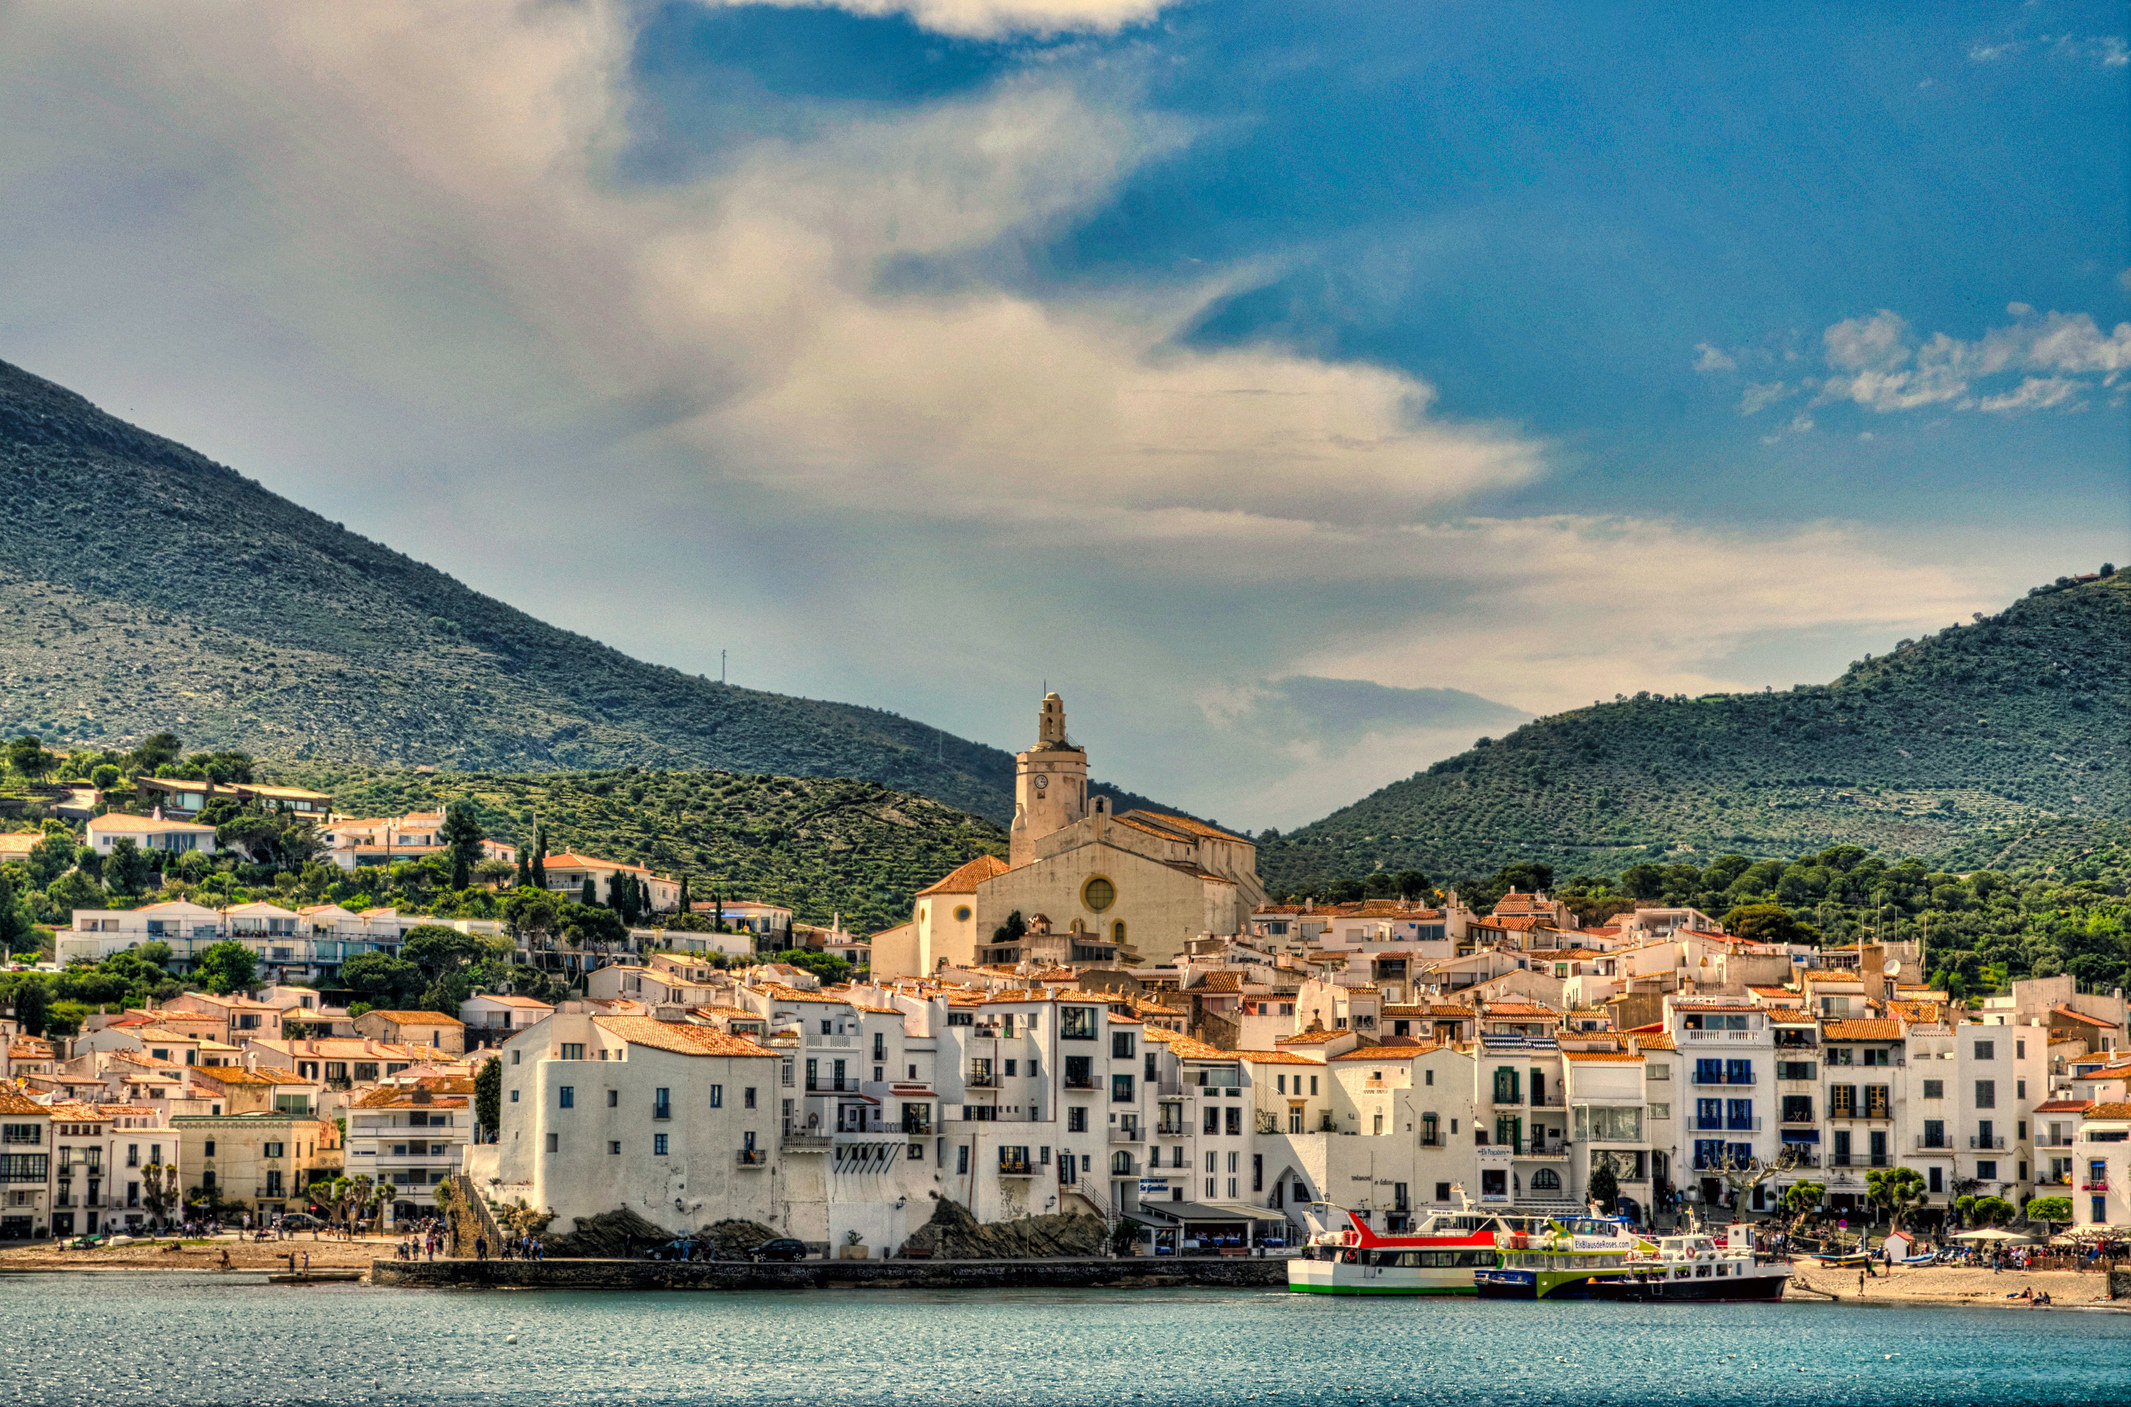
x=1050, y=784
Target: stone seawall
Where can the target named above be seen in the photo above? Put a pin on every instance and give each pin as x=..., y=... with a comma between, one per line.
x=1217, y=1273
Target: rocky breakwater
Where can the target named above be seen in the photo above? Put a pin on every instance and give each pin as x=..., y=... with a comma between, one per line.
x=1061, y=1274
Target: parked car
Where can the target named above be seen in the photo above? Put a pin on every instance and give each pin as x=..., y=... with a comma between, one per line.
x=784, y=1248
x=301, y=1221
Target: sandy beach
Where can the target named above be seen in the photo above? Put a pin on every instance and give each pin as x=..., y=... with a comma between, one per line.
x=201, y=1255
x=1946, y=1285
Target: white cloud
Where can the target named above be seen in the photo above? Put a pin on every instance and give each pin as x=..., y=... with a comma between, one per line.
x=1561, y=610
x=1759, y=396
x=993, y=19
x=1712, y=360
x=1889, y=370
x=2035, y=393
x=1991, y=53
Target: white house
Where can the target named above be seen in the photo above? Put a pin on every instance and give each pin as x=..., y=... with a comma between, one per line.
x=150, y=833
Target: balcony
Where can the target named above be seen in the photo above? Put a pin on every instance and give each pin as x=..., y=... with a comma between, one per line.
x=751, y=1157
x=800, y=1141
x=1557, y=1153
x=1991, y=1145
x=1719, y=1080
x=982, y=1079
x=1080, y=1082
x=1548, y=1101
x=1928, y=1144
x=1168, y=1129
x=1016, y=1167
x=1803, y=1159
x=1871, y=1113
x=1716, y=1035
x=2093, y=1186
x=2055, y=1141
x=1126, y=1133
x=1726, y=1124
x=1803, y=1120
x=917, y=1128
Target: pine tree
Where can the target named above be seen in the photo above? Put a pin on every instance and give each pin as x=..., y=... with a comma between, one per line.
x=682, y=903
x=588, y=892
x=540, y=857
x=525, y=869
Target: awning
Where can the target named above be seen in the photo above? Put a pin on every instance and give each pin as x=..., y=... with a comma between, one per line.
x=1181, y=1212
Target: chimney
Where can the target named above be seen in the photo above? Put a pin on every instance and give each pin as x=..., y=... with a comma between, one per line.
x=1872, y=966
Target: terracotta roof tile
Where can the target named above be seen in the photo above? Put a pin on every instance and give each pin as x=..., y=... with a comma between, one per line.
x=679, y=1038
x=1863, y=1030
x=965, y=878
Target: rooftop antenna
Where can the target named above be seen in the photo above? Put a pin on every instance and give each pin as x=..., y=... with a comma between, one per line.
x=721, y=666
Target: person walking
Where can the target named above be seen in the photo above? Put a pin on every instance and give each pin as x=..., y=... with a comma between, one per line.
x=481, y=1248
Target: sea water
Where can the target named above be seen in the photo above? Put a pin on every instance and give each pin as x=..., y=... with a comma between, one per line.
x=183, y=1339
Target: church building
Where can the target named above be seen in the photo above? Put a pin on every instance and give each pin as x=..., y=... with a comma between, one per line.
x=1090, y=885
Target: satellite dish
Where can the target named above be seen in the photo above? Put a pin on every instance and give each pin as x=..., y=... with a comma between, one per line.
x=1894, y=968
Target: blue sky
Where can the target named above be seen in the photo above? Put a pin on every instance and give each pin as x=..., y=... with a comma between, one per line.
x=1490, y=358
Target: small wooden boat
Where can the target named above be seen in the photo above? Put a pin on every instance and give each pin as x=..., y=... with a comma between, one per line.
x=313, y=1277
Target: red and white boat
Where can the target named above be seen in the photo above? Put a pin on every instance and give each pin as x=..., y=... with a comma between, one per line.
x=1438, y=1257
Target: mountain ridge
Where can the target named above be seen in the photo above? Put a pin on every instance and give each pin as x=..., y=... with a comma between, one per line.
x=150, y=587
x=2003, y=725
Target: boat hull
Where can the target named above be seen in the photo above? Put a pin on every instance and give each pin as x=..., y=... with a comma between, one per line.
x=1331, y=1277
x=1656, y=1289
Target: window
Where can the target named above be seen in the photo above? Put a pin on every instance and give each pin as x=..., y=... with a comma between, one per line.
x=271, y=1150
x=1987, y=1169
x=1934, y=1134
x=1661, y=1111
x=961, y=1158
x=566, y=1097
x=1098, y=894
x=1280, y=1082
x=917, y=1152
x=1011, y=1067
x=1936, y=1180
x=658, y=1145
x=1077, y=1023
x=614, y=1147
x=210, y=1148
x=1210, y=1161
x=2019, y=1050
x=1794, y=1069
x=1120, y=1089
x=1798, y=1108
x=1313, y=1084
x=514, y=1056
x=961, y=913
x=514, y=1096
x=1120, y=1045
x=1211, y=1120
x=2019, y=1089
x=1934, y=1089
x=1986, y=1050
x=880, y=1046
x=747, y=1097
x=1235, y=1122
x=1077, y=1119
x=1986, y=1094
x=1378, y=1129
x=1427, y=1077
x=717, y=1096
x=1506, y=1088
x=554, y=1143
x=572, y=1050
x=662, y=1103
x=1879, y=1057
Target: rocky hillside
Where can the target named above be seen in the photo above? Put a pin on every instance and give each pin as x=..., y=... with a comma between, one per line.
x=143, y=587
x=2011, y=726
x=820, y=846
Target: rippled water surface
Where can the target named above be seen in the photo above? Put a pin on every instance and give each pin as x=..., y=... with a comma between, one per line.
x=181, y=1339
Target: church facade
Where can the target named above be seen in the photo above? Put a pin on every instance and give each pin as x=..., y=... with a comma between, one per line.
x=1105, y=886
